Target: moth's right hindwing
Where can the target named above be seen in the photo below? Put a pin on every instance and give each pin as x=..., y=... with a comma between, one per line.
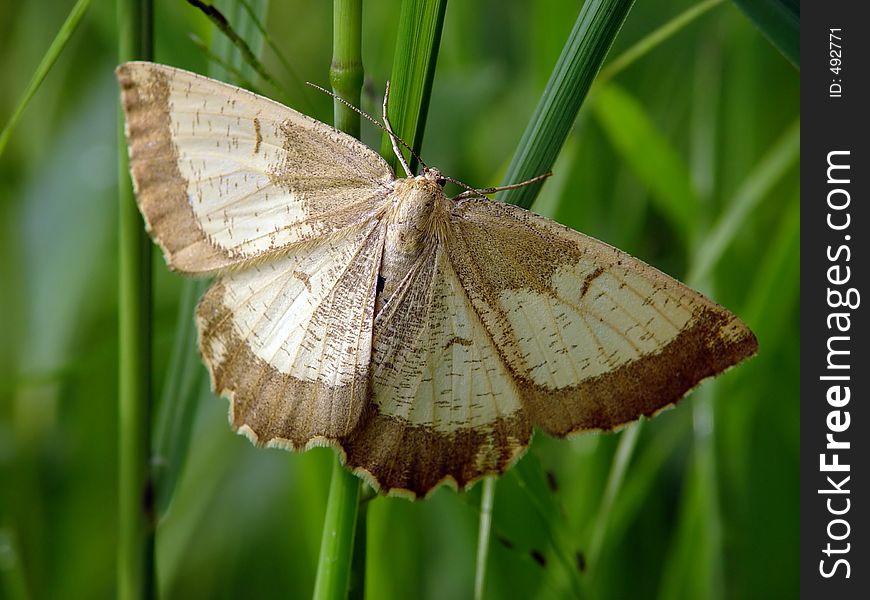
x=223, y=175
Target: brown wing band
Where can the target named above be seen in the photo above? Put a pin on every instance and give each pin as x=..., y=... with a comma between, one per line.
x=715, y=341
x=161, y=190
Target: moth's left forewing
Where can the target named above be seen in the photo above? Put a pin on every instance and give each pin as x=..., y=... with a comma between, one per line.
x=224, y=176
x=594, y=337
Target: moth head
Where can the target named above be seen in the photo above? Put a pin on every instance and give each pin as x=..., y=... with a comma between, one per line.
x=433, y=174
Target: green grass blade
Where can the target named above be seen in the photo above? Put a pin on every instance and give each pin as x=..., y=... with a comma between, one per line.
x=780, y=268
x=57, y=45
x=334, y=565
x=178, y=399
x=243, y=47
x=219, y=63
x=238, y=37
x=779, y=21
x=257, y=21
x=621, y=460
x=648, y=43
x=772, y=166
x=531, y=479
x=136, y=576
x=417, y=42
x=590, y=39
x=649, y=155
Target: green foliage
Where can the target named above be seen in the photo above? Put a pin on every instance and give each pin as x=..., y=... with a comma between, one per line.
x=57, y=45
x=698, y=502
x=649, y=155
x=780, y=20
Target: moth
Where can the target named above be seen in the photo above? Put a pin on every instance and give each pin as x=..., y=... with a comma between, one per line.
x=423, y=337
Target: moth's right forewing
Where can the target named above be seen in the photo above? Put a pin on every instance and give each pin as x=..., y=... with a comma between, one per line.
x=594, y=337
x=224, y=176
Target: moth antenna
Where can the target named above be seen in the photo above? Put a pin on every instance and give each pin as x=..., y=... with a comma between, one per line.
x=471, y=192
x=385, y=127
x=467, y=194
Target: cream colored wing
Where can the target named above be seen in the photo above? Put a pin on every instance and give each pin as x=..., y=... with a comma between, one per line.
x=593, y=337
x=223, y=175
x=445, y=406
x=289, y=340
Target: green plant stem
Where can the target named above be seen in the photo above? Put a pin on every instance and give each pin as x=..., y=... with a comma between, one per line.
x=417, y=43
x=57, y=45
x=346, y=69
x=484, y=528
x=594, y=31
x=136, y=495
x=337, y=543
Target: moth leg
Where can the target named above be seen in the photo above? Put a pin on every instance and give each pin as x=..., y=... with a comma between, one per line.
x=393, y=137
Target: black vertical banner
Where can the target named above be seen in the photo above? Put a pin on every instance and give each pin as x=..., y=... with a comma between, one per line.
x=835, y=370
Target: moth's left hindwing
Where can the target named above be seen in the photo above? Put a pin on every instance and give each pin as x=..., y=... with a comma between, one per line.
x=289, y=339
x=223, y=175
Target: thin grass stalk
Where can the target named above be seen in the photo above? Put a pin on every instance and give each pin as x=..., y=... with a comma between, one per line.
x=337, y=544
x=655, y=38
x=594, y=31
x=136, y=577
x=346, y=69
x=51, y=55
x=523, y=473
x=621, y=459
x=485, y=526
x=339, y=527
x=770, y=169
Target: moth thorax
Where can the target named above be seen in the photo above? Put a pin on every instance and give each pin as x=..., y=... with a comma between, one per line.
x=412, y=220
x=412, y=227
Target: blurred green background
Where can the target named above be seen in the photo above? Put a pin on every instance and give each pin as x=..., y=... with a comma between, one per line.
x=700, y=502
